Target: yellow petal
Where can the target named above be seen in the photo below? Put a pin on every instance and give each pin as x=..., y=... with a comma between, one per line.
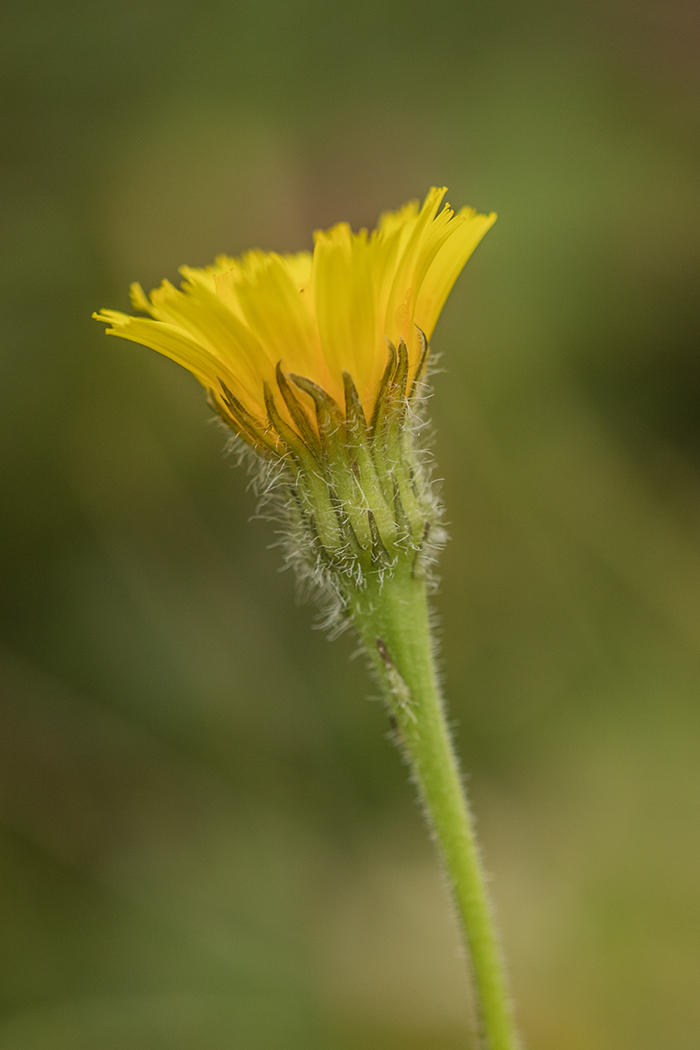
x=278, y=314
x=173, y=341
x=343, y=300
x=399, y=314
x=447, y=266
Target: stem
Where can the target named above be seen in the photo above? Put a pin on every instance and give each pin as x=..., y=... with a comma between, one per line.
x=393, y=621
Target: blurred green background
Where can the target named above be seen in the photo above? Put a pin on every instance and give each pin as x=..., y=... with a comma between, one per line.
x=208, y=842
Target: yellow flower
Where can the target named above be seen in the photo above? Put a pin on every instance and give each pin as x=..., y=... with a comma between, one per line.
x=242, y=324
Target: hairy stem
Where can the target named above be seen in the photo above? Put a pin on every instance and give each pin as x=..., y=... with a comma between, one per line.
x=393, y=622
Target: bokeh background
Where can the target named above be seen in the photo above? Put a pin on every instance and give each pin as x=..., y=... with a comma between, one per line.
x=208, y=842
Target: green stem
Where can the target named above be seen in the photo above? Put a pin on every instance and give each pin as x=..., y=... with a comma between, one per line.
x=393, y=621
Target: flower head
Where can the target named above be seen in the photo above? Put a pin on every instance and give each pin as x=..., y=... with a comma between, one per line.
x=281, y=342
x=242, y=326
